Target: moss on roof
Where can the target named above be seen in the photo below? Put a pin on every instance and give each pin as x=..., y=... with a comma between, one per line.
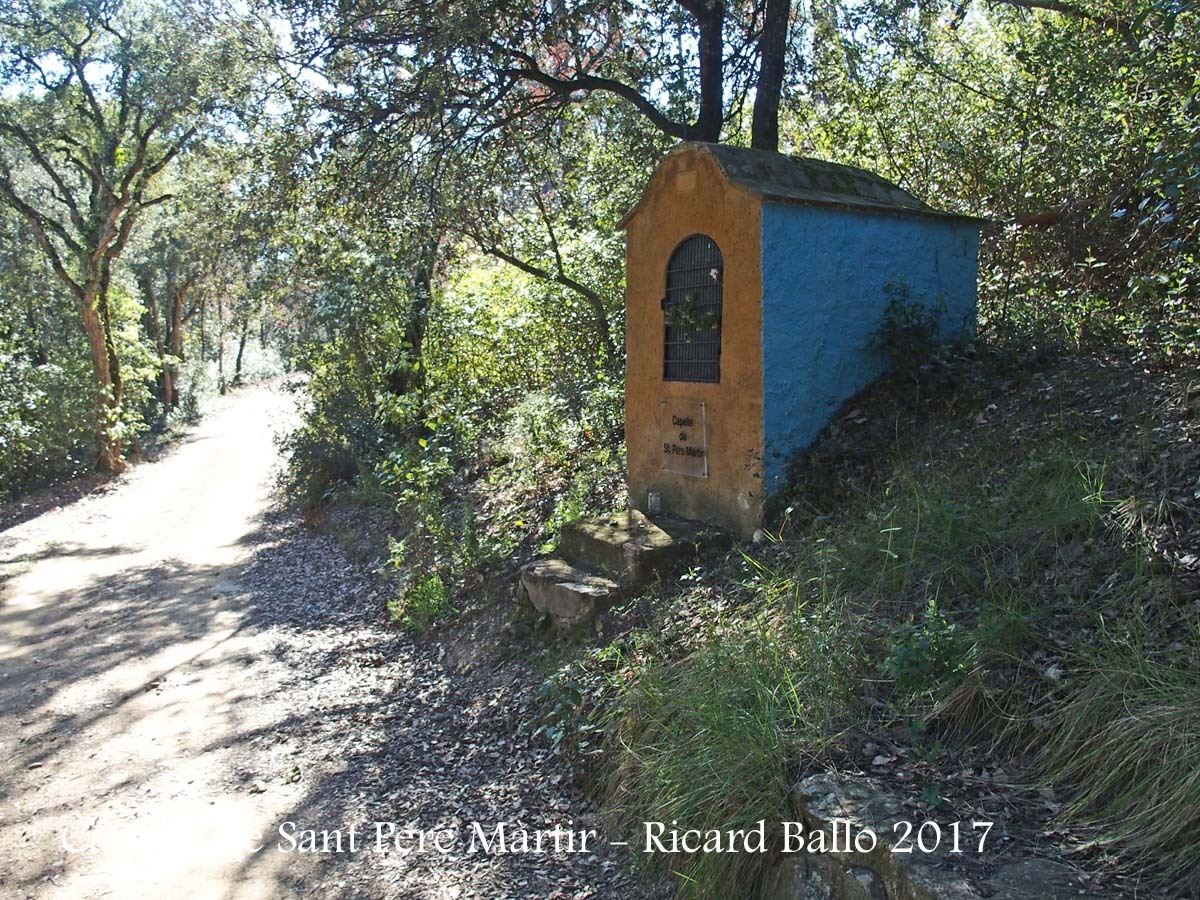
x=777, y=178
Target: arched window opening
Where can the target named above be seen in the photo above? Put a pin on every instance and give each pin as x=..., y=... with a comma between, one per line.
x=692, y=312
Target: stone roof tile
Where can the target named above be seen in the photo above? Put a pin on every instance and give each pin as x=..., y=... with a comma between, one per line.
x=777, y=178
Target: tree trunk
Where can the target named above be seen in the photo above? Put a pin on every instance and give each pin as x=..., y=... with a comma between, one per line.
x=711, y=17
x=175, y=329
x=221, y=384
x=772, y=50
x=110, y=347
x=237, y=365
x=108, y=446
x=176, y=321
x=418, y=321
x=167, y=393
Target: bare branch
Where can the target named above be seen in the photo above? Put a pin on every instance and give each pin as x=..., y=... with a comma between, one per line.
x=545, y=215
x=565, y=87
x=1067, y=9
x=79, y=65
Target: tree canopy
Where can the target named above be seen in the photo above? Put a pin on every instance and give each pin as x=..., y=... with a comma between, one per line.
x=177, y=172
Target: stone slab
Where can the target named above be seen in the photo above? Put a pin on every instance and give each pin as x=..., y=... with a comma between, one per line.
x=569, y=595
x=629, y=547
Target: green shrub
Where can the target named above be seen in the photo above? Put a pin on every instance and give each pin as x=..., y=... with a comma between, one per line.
x=926, y=654
x=47, y=421
x=422, y=605
x=339, y=432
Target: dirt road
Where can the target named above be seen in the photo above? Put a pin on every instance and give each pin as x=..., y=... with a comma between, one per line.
x=190, y=682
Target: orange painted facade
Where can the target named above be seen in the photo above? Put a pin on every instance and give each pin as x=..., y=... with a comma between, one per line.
x=690, y=195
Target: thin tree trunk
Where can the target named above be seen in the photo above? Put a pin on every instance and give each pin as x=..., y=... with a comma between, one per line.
x=39, y=356
x=154, y=329
x=237, y=365
x=772, y=49
x=418, y=320
x=176, y=321
x=221, y=384
x=175, y=331
x=110, y=347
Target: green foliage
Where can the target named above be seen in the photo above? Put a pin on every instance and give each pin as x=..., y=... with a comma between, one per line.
x=916, y=607
x=510, y=391
x=562, y=699
x=139, y=367
x=46, y=421
x=551, y=432
x=1076, y=135
x=909, y=332
x=442, y=532
x=324, y=451
x=103, y=104
x=690, y=313
x=422, y=605
x=714, y=739
x=926, y=654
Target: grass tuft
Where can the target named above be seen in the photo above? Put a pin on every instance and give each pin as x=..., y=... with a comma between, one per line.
x=1127, y=740
x=714, y=740
x=950, y=599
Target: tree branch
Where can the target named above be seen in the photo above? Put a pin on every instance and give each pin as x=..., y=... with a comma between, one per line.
x=146, y=204
x=564, y=87
x=64, y=193
x=1074, y=11
x=79, y=65
x=595, y=301
x=38, y=226
x=545, y=216
x=1067, y=9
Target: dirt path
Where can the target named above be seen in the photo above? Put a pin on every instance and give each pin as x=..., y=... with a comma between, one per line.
x=183, y=671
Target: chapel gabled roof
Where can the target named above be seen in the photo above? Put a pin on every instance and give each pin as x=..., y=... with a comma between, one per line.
x=777, y=178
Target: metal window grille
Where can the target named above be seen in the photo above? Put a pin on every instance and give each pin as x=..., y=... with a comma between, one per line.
x=692, y=312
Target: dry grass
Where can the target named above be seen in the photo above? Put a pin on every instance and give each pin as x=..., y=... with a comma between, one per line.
x=1126, y=739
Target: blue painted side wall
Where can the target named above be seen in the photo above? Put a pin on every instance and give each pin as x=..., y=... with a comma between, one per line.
x=827, y=276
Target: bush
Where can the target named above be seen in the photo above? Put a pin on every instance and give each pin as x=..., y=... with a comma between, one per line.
x=422, y=605
x=338, y=435
x=47, y=421
x=925, y=608
x=927, y=654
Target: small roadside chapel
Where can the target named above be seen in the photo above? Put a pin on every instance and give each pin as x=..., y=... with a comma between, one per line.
x=756, y=284
x=756, y=287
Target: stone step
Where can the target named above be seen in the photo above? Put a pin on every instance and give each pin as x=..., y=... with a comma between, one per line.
x=630, y=548
x=569, y=595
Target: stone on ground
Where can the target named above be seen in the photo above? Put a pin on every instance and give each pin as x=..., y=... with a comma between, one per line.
x=629, y=547
x=569, y=595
